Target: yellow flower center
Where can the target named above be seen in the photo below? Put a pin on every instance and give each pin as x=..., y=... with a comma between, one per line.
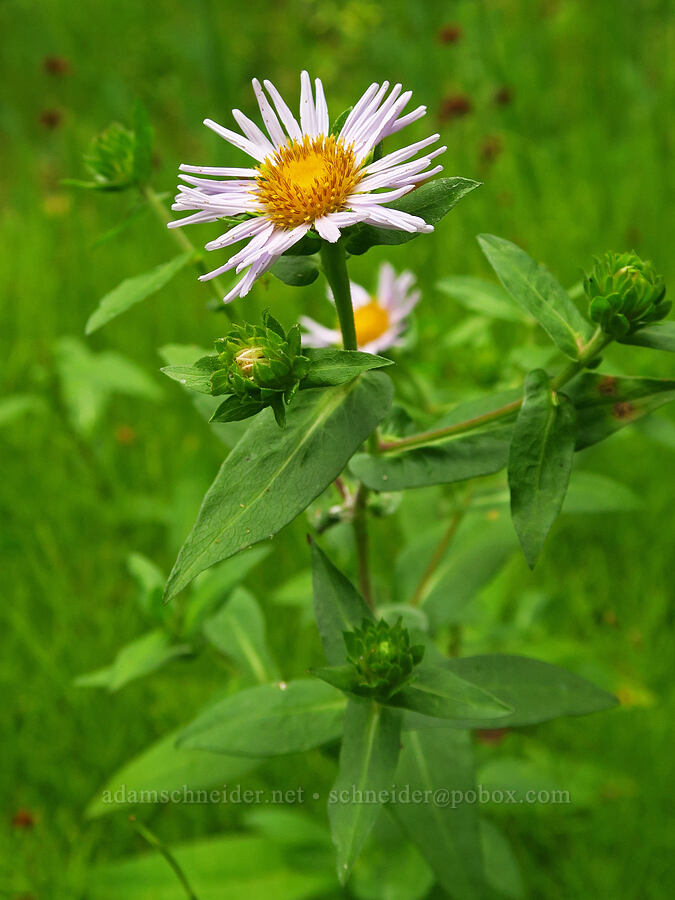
x=306, y=180
x=370, y=322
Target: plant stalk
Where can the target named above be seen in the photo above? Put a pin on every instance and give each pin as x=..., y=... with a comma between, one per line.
x=596, y=344
x=217, y=288
x=335, y=269
x=360, y=525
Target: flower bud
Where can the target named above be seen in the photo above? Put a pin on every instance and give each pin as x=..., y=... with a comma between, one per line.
x=110, y=158
x=625, y=294
x=382, y=656
x=260, y=366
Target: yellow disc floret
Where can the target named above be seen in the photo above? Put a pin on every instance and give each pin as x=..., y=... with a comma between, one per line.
x=370, y=321
x=305, y=180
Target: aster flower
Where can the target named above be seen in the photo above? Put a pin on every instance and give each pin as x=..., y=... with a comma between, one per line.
x=305, y=178
x=379, y=319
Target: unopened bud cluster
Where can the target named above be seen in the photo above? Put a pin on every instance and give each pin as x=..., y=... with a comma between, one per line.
x=625, y=294
x=260, y=365
x=382, y=656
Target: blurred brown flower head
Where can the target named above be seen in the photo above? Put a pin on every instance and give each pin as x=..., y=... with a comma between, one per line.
x=455, y=106
x=51, y=119
x=58, y=66
x=450, y=34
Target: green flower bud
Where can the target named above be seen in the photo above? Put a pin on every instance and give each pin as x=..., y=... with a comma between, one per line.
x=110, y=158
x=259, y=366
x=382, y=656
x=625, y=294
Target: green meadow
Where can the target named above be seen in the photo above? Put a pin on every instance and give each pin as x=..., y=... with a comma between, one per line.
x=563, y=110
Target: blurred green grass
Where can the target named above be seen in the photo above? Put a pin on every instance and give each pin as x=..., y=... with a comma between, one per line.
x=576, y=162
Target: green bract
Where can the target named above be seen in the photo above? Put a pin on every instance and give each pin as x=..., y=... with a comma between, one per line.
x=258, y=366
x=625, y=294
x=382, y=656
x=110, y=158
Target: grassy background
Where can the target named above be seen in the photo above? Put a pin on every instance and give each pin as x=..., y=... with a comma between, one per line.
x=581, y=166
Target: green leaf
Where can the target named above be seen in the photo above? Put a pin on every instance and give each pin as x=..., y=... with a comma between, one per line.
x=660, y=336
x=606, y=403
x=150, y=580
x=238, y=631
x=18, y=405
x=432, y=693
x=138, y=658
x=590, y=492
x=344, y=678
x=540, y=462
x=483, y=297
x=430, y=201
x=330, y=367
x=272, y=475
x=338, y=606
x=296, y=270
x=538, y=292
x=368, y=757
x=133, y=290
x=212, y=588
x=233, y=866
x=433, y=765
x=536, y=691
x=195, y=377
x=390, y=867
x=269, y=720
x=502, y=872
x=165, y=767
x=458, y=457
x=338, y=124
x=143, y=138
x=477, y=553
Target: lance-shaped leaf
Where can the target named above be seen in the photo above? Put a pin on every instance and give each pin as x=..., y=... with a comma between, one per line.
x=269, y=720
x=660, y=336
x=538, y=292
x=537, y=691
x=238, y=631
x=540, y=462
x=606, y=403
x=134, y=660
x=133, y=290
x=296, y=270
x=454, y=458
x=165, y=767
x=437, y=692
x=437, y=765
x=483, y=297
x=430, y=201
x=329, y=366
x=195, y=377
x=368, y=757
x=232, y=866
x=273, y=474
x=338, y=606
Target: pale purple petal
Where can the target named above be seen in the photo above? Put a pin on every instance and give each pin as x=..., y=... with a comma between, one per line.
x=268, y=116
x=237, y=140
x=285, y=114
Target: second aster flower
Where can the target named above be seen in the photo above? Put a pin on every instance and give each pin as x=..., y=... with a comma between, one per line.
x=305, y=177
x=379, y=319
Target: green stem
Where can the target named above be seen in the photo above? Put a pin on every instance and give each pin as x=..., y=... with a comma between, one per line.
x=335, y=270
x=217, y=288
x=360, y=525
x=437, y=556
x=595, y=345
x=156, y=844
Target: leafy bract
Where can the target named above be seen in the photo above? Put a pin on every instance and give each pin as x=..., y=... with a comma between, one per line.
x=430, y=201
x=238, y=631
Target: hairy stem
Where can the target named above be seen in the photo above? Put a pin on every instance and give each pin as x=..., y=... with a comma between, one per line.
x=595, y=345
x=335, y=270
x=217, y=288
